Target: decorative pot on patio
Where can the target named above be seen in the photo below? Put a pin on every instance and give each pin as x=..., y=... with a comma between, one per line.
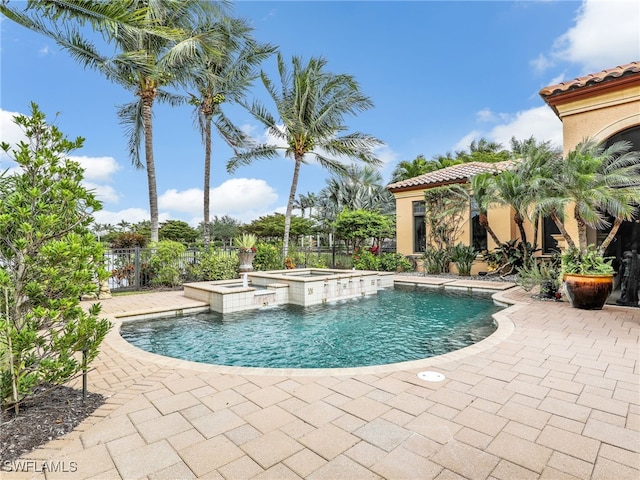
x=588, y=292
x=246, y=261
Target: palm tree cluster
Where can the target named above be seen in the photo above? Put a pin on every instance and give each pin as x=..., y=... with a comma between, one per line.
x=596, y=185
x=194, y=51
x=481, y=150
x=160, y=51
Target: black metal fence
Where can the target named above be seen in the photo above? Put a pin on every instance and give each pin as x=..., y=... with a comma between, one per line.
x=130, y=269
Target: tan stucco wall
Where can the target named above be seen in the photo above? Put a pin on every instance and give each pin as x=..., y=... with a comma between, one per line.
x=599, y=116
x=500, y=220
x=404, y=220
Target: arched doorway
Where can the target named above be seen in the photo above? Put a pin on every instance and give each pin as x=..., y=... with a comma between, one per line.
x=628, y=236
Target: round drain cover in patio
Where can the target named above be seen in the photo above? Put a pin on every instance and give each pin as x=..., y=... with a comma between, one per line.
x=431, y=376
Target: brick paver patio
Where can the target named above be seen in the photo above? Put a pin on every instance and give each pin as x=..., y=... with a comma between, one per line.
x=553, y=394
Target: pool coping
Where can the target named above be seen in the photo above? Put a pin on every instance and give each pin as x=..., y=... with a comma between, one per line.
x=505, y=328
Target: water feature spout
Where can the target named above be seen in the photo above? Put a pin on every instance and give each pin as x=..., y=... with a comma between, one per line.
x=245, y=280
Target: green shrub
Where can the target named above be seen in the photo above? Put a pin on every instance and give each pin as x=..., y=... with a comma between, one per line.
x=395, y=262
x=365, y=260
x=48, y=260
x=268, y=257
x=436, y=261
x=545, y=274
x=590, y=262
x=463, y=256
x=215, y=265
x=165, y=263
x=315, y=260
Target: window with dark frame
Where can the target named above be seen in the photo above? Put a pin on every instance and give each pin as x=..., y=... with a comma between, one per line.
x=478, y=232
x=419, y=227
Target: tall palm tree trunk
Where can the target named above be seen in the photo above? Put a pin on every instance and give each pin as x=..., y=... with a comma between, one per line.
x=484, y=221
x=582, y=230
x=563, y=231
x=523, y=236
x=536, y=228
x=292, y=197
x=207, y=180
x=147, y=102
x=614, y=229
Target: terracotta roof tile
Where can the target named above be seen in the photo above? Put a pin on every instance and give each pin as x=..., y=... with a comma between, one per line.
x=454, y=174
x=592, y=79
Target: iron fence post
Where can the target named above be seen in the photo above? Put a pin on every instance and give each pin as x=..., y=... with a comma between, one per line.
x=136, y=267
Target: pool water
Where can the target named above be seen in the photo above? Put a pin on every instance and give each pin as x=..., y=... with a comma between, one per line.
x=393, y=326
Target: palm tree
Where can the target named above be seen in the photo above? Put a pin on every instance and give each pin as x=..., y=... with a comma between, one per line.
x=302, y=203
x=410, y=169
x=50, y=17
x=512, y=188
x=597, y=182
x=483, y=151
x=311, y=105
x=361, y=188
x=481, y=187
x=153, y=47
x=220, y=77
x=159, y=63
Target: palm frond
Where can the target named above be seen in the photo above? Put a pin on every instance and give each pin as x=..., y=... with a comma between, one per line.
x=248, y=156
x=130, y=116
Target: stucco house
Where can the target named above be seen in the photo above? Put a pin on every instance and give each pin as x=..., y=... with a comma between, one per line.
x=603, y=105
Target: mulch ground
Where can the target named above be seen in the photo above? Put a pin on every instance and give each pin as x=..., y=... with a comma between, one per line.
x=48, y=415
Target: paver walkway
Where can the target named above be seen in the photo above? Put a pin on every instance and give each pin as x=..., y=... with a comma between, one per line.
x=553, y=394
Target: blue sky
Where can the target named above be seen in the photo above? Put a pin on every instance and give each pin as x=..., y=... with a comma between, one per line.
x=440, y=74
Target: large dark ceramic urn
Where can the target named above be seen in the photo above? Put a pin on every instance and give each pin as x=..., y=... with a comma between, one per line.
x=588, y=292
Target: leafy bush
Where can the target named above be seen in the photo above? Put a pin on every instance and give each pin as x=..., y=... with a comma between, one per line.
x=545, y=274
x=385, y=262
x=268, y=257
x=48, y=260
x=365, y=260
x=587, y=263
x=165, y=263
x=395, y=262
x=128, y=240
x=436, y=261
x=463, y=256
x=315, y=260
x=215, y=265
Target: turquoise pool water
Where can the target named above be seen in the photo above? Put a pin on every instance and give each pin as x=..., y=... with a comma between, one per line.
x=393, y=326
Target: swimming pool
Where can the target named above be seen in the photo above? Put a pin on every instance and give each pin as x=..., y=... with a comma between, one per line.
x=394, y=326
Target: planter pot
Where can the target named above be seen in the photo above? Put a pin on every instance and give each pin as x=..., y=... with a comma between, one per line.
x=246, y=261
x=588, y=292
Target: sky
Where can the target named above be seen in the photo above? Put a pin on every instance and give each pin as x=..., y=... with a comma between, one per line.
x=440, y=74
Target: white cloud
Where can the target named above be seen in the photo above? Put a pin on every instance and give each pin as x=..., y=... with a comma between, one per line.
x=188, y=201
x=605, y=35
x=11, y=133
x=104, y=193
x=464, y=142
x=541, y=63
x=131, y=215
x=485, y=115
x=97, y=168
x=241, y=198
x=539, y=122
